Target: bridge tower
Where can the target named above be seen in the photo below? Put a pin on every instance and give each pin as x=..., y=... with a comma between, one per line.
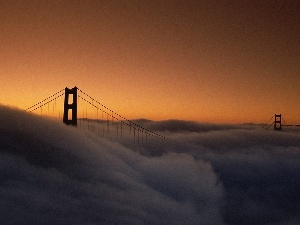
x=277, y=122
x=70, y=106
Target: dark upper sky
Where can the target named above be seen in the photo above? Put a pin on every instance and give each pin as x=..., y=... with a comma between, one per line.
x=226, y=61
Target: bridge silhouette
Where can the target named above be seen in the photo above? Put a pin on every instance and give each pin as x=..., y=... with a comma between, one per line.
x=114, y=122
x=113, y=125
x=278, y=123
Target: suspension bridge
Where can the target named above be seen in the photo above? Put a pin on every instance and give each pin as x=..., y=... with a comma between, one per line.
x=102, y=119
x=278, y=123
x=105, y=120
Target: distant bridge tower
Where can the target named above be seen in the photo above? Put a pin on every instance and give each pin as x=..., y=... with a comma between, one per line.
x=277, y=122
x=70, y=106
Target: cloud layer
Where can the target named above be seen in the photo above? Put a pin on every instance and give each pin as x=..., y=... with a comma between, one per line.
x=209, y=174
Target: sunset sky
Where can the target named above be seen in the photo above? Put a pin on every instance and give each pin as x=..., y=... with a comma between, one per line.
x=208, y=61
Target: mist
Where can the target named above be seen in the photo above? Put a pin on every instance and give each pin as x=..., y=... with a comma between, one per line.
x=201, y=174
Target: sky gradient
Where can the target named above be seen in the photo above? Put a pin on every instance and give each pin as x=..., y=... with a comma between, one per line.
x=210, y=61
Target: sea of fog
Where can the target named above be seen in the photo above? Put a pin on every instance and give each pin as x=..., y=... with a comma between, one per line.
x=206, y=174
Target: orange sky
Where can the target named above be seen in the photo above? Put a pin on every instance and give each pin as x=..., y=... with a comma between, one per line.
x=209, y=61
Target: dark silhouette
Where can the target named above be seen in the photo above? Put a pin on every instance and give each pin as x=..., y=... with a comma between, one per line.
x=72, y=106
x=277, y=122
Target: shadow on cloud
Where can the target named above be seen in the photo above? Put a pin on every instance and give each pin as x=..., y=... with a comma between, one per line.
x=210, y=174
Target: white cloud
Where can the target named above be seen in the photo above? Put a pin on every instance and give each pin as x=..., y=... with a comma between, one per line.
x=56, y=174
x=208, y=174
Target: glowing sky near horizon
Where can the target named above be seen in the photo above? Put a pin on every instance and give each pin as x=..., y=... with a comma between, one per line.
x=211, y=61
